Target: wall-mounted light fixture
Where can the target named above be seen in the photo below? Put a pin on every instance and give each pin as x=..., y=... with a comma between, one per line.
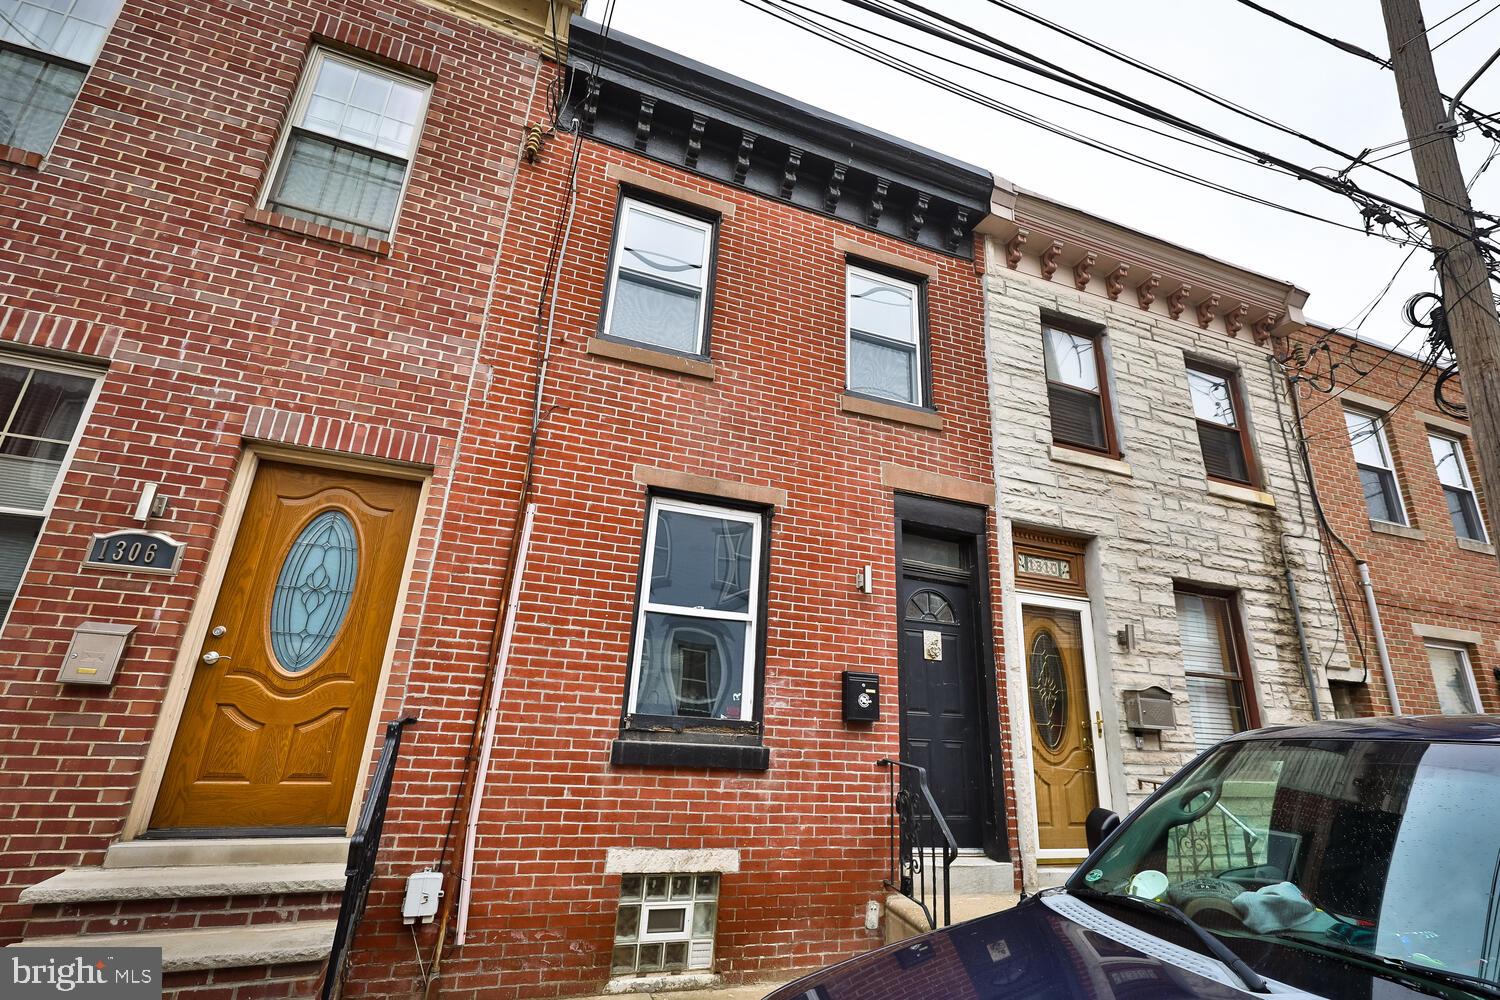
x=1125, y=637
x=864, y=580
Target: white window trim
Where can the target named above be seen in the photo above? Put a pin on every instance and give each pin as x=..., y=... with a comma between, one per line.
x=45, y=514
x=920, y=371
x=1463, y=658
x=750, y=617
x=298, y=109
x=88, y=75
x=1463, y=468
x=628, y=205
x=1378, y=422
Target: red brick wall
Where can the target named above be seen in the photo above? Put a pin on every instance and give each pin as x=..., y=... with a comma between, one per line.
x=131, y=240
x=1428, y=580
x=810, y=829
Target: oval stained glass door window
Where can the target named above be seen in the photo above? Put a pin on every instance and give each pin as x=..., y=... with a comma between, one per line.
x=313, y=590
x=1049, y=690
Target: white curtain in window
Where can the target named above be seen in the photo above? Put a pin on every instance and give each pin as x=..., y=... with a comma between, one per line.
x=1450, y=673
x=1214, y=700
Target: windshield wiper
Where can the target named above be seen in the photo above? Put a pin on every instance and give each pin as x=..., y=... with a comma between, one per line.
x=1217, y=948
x=1408, y=970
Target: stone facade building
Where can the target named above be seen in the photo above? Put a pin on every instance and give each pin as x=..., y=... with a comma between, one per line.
x=1151, y=505
x=1400, y=486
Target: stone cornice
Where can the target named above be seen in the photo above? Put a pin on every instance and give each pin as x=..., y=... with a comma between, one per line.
x=531, y=21
x=1063, y=244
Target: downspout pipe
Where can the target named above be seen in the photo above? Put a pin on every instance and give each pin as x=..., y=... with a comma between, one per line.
x=1363, y=569
x=1307, y=667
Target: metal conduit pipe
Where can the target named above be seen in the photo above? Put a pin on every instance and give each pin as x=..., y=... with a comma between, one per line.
x=1307, y=667
x=1363, y=569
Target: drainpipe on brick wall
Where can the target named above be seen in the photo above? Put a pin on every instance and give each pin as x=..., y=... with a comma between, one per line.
x=1307, y=667
x=1363, y=569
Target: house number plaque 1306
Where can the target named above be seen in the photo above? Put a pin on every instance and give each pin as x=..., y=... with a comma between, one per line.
x=135, y=552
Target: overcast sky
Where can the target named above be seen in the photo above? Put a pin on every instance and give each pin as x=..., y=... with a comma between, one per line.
x=1220, y=45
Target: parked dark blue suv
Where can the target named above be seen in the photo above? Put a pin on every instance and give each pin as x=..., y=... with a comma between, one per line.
x=1339, y=860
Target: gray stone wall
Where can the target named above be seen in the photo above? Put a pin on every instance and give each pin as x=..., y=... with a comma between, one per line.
x=1154, y=518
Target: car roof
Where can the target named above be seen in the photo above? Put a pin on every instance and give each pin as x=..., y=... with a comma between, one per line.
x=1435, y=728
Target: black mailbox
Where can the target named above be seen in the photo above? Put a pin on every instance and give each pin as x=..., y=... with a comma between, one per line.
x=861, y=696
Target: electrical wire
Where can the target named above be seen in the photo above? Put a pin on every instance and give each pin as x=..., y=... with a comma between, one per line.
x=1466, y=27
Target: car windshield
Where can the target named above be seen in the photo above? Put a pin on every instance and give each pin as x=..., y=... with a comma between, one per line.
x=1383, y=849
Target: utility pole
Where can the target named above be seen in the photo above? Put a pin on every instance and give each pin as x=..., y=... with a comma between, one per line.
x=1467, y=298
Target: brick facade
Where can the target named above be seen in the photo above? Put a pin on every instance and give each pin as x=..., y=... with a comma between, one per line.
x=1426, y=579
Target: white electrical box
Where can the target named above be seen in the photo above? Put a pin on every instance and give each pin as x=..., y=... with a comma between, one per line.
x=423, y=890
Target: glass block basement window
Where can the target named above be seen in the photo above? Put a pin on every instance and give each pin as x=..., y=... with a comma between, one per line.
x=665, y=924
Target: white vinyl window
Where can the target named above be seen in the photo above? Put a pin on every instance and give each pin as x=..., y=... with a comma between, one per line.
x=659, y=278
x=1458, y=488
x=665, y=923
x=346, y=154
x=884, y=331
x=1453, y=678
x=1377, y=473
x=696, y=637
x=42, y=409
x=46, y=49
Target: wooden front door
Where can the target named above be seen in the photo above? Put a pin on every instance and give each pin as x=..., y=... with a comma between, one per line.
x=1062, y=727
x=940, y=719
x=273, y=732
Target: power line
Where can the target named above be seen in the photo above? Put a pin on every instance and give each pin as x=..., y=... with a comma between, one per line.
x=1466, y=27
x=1348, y=47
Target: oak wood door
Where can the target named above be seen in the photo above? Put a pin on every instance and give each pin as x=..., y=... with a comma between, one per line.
x=1062, y=734
x=273, y=731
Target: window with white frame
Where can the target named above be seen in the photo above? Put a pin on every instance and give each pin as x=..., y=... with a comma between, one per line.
x=347, y=151
x=1377, y=473
x=665, y=923
x=1458, y=488
x=659, y=278
x=697, y=634
x=46, y=49
x=41, y=411
x=1454, y=679
x=884, y=328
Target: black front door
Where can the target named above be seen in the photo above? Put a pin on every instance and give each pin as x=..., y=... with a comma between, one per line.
x=940, y=716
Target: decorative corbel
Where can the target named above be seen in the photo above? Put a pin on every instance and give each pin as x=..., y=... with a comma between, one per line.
x=789, y=172
x=1177, y=301
x=1014, y=247
x=1145, y=292
x=1114, y=282
x=835, y=189
x=590, y=103
x=1049, y=259
x=643, y=121
x=918, y=216
x=742, y=160
x=1261, y=329
x=877, y=202
x=957, y=231
x=1234, y=319
x=695, y=140
x=1083, y=271
x=1207, y=310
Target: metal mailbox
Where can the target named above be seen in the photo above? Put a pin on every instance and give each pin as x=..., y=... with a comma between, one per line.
x=95, y=653
x=1149, y=709
x=861, y=696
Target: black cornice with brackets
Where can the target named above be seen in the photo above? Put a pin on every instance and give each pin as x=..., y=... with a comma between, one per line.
x=672, y=109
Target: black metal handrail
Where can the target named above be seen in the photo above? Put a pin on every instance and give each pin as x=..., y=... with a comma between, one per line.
x=922, y=847
x=363, y=848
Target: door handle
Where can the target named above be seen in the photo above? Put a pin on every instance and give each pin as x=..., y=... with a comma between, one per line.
x=1099, y=722
x=212, y=657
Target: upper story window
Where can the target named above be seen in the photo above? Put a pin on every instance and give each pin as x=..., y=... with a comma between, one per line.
x=1377, y=473
x=347, y=150
x=1458, y=488
x=1213, y=658
x=697, y=634
x=46, y=49
x=660, y=277
x=1077, y=389
x=1221, y=432
x=41, y=411
x=886, y=355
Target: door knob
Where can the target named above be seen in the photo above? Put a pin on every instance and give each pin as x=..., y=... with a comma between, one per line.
x=212, y=657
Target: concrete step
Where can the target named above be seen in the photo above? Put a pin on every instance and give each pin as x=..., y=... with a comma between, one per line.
x=1050, y=875
x=87, y=885
x=232, y=948
x=227, y=851
x=976, y=875
x=904, y=918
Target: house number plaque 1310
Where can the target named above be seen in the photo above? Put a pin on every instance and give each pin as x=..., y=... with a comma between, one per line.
x=135, y=552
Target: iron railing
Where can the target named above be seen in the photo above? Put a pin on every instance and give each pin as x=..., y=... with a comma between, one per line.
x=922, y=847
x=363, y=847
x=1213, y=843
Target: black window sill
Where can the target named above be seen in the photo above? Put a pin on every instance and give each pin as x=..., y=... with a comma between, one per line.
x=681, y=753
